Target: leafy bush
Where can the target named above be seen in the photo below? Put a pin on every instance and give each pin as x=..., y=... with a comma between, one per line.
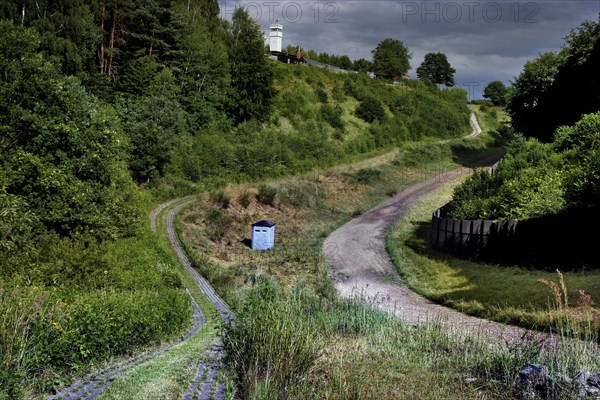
x=321, y=95
x=349, y=88
x=503, y=135
x=580, y=145
x=332, y=115
x=267, y=194
x=220, y=198
x=245, y=199
x=530, y=182
x=370, y=109
x=100, y=324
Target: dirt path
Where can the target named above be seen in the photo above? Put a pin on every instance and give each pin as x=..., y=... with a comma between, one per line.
x=476, y=129
x=357, y=253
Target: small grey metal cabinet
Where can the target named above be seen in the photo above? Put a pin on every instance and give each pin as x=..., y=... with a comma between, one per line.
x=263, y=235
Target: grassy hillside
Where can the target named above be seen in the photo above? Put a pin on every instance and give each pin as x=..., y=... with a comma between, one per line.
x=91, y=141
x=315, y=124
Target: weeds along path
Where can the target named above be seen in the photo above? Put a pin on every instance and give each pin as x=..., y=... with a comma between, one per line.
x=203, y=385
x=357, y=253
x=93, y=385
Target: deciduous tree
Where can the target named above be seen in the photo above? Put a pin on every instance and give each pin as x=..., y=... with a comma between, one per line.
x=391, y=58
x=436, y=69
x=496, y=91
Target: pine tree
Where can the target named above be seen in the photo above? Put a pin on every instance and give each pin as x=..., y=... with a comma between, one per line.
x=203, y=67
x=251, y=73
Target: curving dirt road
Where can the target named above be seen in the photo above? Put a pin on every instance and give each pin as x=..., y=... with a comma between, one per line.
x=361, y=265
x=476, y=129
x=358, y=256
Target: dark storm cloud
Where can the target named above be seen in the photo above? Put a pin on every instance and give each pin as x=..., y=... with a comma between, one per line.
x=484, y=40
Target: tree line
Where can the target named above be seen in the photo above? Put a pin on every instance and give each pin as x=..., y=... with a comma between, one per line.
x=391, y=59
x=556, y=88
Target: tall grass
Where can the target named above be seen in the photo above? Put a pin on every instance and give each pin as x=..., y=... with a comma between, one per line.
x=579, y=320
x=296, y=346
x=272, y=345
x=20, y=308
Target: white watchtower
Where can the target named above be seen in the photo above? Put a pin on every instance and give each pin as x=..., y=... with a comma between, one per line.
x=276, y=37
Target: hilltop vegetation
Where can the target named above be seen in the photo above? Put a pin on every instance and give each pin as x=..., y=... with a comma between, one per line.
x=537, y=179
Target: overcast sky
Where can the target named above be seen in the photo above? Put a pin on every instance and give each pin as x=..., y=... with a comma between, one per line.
x=484, y=40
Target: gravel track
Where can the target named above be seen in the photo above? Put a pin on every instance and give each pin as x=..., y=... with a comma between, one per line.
x=93, y=385
x=157, y=210
x=476, y=129
x=362, y=267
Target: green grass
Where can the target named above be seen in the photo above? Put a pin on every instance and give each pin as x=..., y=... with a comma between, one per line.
x=169, y=375
x=306, y=209
x=338, y=350
x=354, y=341
x=502, y=293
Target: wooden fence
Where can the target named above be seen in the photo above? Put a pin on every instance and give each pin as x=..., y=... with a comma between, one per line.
x=570, y=239
x=466, y=237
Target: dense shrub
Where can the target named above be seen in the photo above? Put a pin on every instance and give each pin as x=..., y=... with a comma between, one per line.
x=580, y=145
x=321, y=95
x=245, y=199
x=370, y=109
x=536, y=179
x=220, y=198
x=100, y=324
x=332, y=115
x=528, y=183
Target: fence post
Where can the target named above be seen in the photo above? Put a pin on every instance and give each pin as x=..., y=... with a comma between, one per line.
x=435, y=226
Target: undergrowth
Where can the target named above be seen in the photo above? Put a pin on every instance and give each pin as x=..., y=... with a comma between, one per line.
x=292, y=345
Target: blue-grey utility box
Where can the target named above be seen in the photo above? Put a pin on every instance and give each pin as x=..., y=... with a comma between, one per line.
x=263, y=235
